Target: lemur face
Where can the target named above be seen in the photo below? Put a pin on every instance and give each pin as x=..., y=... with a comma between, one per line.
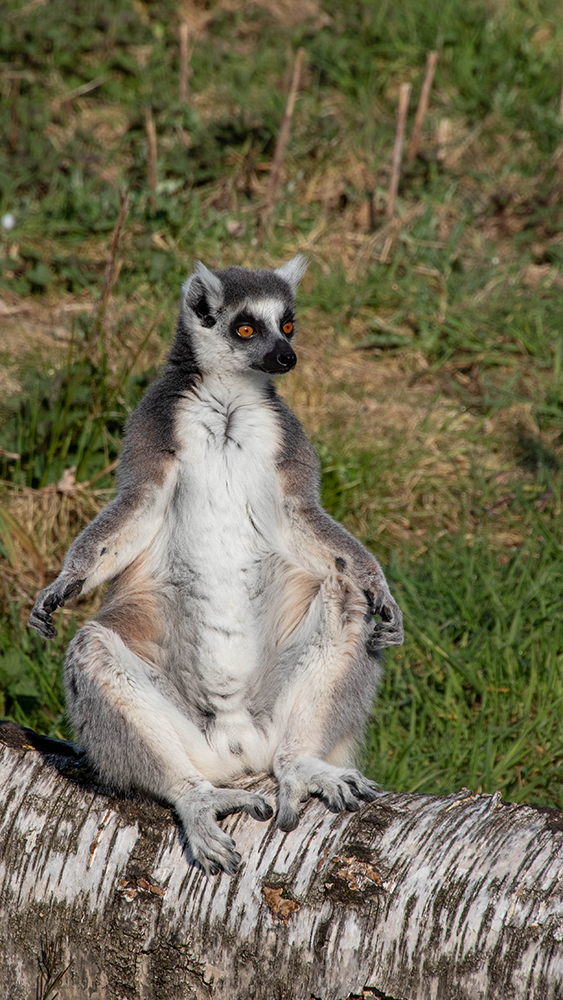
x=241, y=319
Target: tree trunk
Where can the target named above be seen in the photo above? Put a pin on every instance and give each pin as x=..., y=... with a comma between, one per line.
x=414, y=897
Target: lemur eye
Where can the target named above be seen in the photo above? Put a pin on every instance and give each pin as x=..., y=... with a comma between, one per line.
x=245, y=330
x=287, y=327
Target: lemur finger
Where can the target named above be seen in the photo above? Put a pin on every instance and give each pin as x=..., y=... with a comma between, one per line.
x=386, y=635
x=383, y=604
x=42, y=625
x=392, y=636
x=383, y=643
x=41, y=616
x=375, y=602
x=387, y=628
x=72, y=589
x=52, y=602
x=395, y=640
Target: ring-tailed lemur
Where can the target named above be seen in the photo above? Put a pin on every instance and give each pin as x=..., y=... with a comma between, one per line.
x=237, y=636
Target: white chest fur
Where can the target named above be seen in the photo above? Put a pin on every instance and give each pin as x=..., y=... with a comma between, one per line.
x=228, y=514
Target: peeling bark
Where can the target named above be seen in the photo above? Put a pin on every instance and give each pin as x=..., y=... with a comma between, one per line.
x=414, y=897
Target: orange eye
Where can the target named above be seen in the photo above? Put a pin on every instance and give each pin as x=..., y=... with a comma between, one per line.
x=287, y=327
x=245, y=330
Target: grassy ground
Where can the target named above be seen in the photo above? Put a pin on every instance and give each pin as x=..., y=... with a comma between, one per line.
x=430, y=355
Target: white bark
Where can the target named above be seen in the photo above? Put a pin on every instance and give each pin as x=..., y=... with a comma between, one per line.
x=415, y=896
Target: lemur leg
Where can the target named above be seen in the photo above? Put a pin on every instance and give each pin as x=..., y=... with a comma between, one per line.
x=329, y=705
x=136, y=736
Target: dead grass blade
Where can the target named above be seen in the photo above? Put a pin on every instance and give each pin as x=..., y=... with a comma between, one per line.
x=109, y=276
x=11, y=531
x=283, y=134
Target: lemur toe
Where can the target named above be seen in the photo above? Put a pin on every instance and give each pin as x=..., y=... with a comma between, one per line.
x=230, y=800
x=338, y=797
x=287, y=818
x=215, y=852
x=338, y=803
x=260, y=809
x=361, y=786
x=232, y=863
x=226, y=861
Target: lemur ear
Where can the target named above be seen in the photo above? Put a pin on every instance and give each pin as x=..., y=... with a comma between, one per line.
x=293, y=271
x=202, y=292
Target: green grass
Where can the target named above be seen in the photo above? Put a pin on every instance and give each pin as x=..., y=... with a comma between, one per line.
x=75, y=419
x=461, y=496
x=475, y=695
x=31, y=684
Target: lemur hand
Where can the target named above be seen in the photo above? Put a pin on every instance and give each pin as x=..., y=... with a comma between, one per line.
x=388, y=632
x=52, y=597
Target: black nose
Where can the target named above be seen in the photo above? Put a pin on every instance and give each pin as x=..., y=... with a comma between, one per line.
x=281, y=359
x=286, y=360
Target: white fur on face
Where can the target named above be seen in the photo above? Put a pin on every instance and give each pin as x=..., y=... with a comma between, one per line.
x=214, y=352
x=214, y=349
x=269, y=310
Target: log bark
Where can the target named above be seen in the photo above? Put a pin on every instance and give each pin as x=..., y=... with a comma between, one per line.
x=414, y=897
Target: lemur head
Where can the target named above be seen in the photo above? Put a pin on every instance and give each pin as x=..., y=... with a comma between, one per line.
x=239, y=319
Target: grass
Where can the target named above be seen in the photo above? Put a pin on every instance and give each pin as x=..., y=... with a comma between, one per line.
x=482, y=684
x=430, y=357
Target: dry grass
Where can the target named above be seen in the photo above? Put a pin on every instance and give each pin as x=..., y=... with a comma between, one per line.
x=50, y=518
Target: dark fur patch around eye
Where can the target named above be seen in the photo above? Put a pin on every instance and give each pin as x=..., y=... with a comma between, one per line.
x=288, y=317
x=246, y=319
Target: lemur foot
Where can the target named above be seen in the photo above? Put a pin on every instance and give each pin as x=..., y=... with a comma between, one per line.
x=210, y=845
x=339, y=788
x=52, y=597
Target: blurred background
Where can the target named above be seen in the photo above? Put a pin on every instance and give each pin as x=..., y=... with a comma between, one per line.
x=430, y=348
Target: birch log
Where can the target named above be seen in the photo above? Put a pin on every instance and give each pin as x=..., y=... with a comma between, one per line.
x=414, y=897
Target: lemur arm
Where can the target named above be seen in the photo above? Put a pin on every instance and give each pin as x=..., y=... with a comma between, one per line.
x=121, y=531
x=298, y=470
x=106, y=546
